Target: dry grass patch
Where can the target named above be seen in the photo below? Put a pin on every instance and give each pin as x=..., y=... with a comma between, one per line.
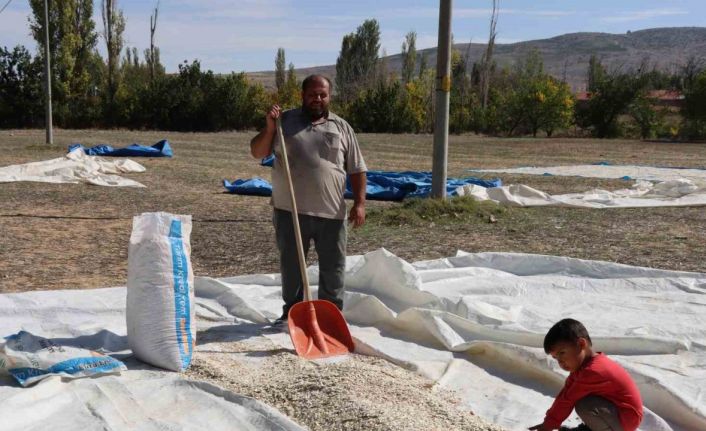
x=57, y=236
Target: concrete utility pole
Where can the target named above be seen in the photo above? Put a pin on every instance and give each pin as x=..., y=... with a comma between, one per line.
x=443, y=88
x=47, y=74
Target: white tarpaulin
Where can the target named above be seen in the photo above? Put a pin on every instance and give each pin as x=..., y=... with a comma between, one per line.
x=142, y=398
x=74, y=167
x=654, y=187
x=649, y=173
x=473, y=323
x=671, y=193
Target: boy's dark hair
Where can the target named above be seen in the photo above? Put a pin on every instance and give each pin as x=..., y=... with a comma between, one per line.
x=311, y=78
x=565, y=330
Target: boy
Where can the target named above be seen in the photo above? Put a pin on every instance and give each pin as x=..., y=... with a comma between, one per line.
x=603, y=393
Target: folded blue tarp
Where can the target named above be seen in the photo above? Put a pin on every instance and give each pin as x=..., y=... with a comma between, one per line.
x=381, y=185
x=252, y=186
x=160, y=149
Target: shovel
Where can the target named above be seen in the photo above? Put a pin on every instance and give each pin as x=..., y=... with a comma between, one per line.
x=317, y=328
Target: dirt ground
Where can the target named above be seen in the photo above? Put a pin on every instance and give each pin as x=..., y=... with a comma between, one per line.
x=72, y=236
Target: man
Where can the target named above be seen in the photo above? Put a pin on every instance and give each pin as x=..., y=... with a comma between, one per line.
x=322, y=150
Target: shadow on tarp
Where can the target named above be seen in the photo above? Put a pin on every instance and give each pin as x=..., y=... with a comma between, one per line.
x=234, y=333
x=101, y=341
x=107, y=343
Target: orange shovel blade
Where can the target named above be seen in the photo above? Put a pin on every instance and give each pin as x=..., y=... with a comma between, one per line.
x=318, y=330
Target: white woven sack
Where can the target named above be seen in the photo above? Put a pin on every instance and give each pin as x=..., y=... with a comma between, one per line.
x=160, y=291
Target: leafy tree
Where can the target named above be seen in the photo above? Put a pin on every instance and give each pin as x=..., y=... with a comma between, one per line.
x=423, y=64
x=557, y=107
x=113, y=28
x=20, y=89
x=459, y=99
x=72, y=42
x=645, y=116
x=409, y=56
x=612, y=96
x=129, y=100
x=382, y=109
x=280, y=71
x=694, y=111
x=290, y=97
x=356, y=63
x=537, y=101
x=234, y=104
x=596, y=73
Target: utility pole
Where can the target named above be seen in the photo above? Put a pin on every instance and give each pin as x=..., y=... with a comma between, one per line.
x=47, y=75
x=443, y=88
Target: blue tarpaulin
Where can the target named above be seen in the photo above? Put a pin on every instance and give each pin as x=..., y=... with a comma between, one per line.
x=252, y=186
x=160, y=149
x=381, y=185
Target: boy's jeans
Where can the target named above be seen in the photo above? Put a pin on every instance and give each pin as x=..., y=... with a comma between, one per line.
x=598, y=414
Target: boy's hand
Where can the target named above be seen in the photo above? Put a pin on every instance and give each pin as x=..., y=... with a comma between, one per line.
x=539, y=427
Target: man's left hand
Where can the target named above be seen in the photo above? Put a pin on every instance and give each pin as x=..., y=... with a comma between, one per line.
x=357, y=215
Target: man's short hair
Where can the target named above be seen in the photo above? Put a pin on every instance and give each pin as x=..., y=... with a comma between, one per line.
x=311, y=78
x=565, y=330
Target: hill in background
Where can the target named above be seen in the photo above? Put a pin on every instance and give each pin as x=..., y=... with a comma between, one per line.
x=566, y=57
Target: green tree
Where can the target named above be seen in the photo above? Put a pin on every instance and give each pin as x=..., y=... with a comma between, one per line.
x=694, y=111
x=459, y=99
x=596, y=73
x=20, y=89
x=645, y=115
x=409, y=56
x=72, y=42
x=611, y=97
x=382, y=109
x=280, y=71
x=113, y=28
x=234, y=103
x=523, y=107
x=357, y=61
x=423, y=64
x=289, y=97
x=557, y=107
x=129, y=100
x=532, y=100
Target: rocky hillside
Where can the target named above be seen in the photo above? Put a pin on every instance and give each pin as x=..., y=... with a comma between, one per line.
x=566, y=56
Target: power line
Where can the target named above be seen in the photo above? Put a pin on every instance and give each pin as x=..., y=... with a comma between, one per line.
x=3, y=8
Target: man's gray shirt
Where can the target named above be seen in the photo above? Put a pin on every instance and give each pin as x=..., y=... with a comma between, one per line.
x=321, y=155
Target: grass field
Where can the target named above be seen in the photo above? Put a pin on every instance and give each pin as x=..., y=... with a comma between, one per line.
x=68, y=236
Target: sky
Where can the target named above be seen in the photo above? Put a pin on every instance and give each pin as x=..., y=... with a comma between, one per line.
x=243, y=35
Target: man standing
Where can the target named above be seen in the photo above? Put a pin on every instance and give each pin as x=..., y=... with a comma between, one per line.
x=322, y=150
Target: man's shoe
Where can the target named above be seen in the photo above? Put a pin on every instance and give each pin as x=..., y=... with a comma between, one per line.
x=581, y=427
x=280, y=321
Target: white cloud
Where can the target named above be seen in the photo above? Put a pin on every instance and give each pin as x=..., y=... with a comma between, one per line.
x=643, y=15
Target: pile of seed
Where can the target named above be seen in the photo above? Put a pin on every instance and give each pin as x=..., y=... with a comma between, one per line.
x=357, y=393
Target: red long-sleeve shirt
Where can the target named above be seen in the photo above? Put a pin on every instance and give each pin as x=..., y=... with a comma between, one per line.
x=602, y=377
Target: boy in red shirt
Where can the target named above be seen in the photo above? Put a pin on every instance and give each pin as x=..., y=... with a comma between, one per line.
x=602, y=392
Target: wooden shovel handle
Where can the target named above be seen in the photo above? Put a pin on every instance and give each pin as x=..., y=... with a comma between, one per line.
x=295, y=215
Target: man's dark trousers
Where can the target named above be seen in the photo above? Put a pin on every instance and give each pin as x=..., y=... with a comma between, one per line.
x=329, y=236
